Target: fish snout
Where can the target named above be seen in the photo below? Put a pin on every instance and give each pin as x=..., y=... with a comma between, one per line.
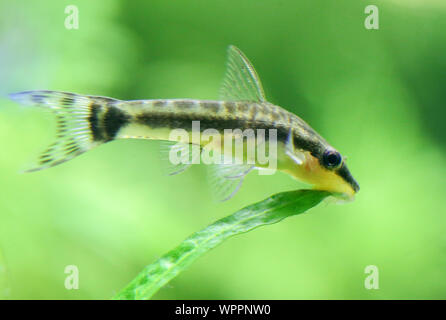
x=345, y=174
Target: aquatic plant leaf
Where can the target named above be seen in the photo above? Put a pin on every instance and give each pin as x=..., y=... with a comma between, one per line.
x=268, y=211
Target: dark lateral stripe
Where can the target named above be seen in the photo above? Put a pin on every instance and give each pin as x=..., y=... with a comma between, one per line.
x=184, y=121
x=313, y=146
x=114, y=120
x=93, y=120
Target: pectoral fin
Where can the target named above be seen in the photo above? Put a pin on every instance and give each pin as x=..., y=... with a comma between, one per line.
x=226, y=179
x=178, y=156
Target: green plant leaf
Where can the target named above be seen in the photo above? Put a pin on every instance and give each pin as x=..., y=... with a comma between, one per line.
x=268, y=211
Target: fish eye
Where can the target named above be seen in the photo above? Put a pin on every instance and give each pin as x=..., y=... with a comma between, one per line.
x=331, y=159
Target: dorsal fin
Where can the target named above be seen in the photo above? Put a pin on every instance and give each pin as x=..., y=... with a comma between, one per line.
x=241, y=82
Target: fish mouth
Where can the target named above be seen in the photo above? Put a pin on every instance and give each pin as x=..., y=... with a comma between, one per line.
x=345, y=174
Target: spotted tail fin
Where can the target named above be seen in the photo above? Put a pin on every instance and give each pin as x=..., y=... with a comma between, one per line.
x=78, y=125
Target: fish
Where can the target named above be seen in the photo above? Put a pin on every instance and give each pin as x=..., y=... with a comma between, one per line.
x=87, y=121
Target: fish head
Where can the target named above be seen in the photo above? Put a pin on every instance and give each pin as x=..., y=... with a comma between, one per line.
x=327, y=171
x=330, y=172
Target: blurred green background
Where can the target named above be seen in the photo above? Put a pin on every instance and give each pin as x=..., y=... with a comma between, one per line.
x=379, y=96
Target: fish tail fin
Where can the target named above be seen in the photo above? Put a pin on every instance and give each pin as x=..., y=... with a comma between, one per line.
x=78, y=128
